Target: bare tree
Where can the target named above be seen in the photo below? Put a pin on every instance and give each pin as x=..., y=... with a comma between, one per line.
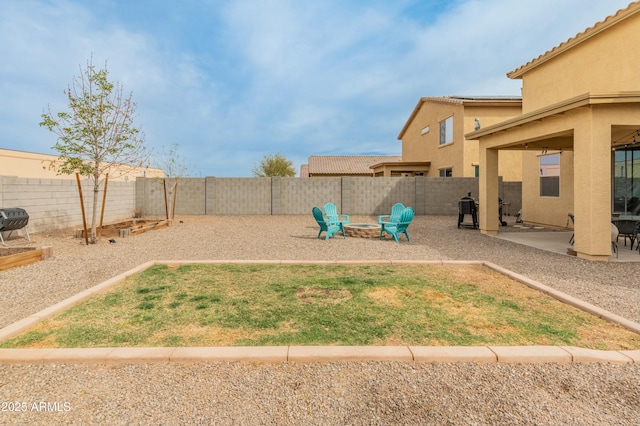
x=96, y=136
x=174, y=169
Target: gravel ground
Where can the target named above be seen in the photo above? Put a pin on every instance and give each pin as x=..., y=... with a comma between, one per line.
x=330, y=393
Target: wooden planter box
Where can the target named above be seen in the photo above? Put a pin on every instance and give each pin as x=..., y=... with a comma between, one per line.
x=12, y=257
x=127, y=228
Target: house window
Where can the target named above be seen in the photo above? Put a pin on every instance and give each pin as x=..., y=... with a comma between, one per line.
x=446, y=172
x=550, y=175
x=446, y=131
x=626, y=181
x=424, y=130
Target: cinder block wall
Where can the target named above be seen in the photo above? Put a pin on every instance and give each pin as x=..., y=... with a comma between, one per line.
x=352, y=195
x=512, y=193
x=55, y=203
x=441, y=195
x=238, y=196
x=190, y=198
x=375, y=196
x=299, y=196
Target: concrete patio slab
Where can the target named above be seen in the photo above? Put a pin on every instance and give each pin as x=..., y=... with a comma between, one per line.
x=349, y=353
x=558, y=242
x=453, y=354
x=531, y=354
x=233, y=353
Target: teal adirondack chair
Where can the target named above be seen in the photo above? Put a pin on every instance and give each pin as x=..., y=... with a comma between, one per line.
x=396, y=211
x=399, y=227
x=331, y=211
x=331, y=228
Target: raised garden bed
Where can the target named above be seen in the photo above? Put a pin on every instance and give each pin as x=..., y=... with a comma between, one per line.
x=127, y=228
x=19, y=256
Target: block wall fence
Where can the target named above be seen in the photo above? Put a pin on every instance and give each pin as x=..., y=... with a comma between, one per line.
x=295, y=196
x=54, y=203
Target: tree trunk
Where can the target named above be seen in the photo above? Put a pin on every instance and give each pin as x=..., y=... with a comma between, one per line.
x=94, y=213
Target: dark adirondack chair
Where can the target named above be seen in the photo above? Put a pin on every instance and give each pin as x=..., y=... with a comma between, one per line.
x=399, y=227
x=331, y=228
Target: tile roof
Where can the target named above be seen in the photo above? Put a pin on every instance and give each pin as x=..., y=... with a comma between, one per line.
x=609, y=21
x=340, y=165
x=461, y=100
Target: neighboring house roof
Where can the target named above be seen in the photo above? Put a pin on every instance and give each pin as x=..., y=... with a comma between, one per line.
x=609, y=21
x=461, y=100
x=340, y=165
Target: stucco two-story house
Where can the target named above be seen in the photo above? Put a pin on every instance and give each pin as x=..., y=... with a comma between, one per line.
x=434, y=142
x=579, y=134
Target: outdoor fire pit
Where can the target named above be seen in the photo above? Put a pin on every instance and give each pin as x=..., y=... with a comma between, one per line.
x=362, y=230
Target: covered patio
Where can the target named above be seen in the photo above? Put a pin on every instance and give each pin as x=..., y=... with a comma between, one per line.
x=580, y=103
x=581, y=133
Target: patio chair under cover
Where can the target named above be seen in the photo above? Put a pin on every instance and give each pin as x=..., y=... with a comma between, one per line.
x=627, y=229
x=396, y=211
x=331, y=211
x=331, y=228
x=399, y=227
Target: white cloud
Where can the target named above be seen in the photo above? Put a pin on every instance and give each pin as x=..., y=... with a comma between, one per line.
x=231, y=82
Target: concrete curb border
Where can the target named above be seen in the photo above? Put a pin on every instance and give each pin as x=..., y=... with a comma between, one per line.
x=272, y=354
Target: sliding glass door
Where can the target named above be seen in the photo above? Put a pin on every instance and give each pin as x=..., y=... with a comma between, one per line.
x=626, y=181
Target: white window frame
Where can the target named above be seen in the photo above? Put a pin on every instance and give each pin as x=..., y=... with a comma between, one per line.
x=446, y=131
x=443, y=172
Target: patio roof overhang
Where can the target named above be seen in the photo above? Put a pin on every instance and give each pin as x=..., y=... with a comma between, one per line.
x=557, y=137
x=590, y=125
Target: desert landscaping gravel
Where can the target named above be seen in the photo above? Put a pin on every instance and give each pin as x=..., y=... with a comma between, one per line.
x=336, y=393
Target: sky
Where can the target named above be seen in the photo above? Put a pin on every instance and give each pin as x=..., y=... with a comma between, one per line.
x=230, y=81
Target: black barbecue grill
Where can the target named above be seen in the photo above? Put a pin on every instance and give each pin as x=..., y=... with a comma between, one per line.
x=11, y=220
x=468, y=206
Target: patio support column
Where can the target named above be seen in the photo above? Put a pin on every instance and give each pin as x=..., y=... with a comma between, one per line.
x=488, y=186
x=592, y=188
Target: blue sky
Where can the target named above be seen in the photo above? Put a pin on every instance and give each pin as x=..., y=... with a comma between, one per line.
x=231, y=81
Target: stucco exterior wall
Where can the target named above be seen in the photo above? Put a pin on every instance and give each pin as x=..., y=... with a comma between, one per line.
x=461, y=155
x=608, y=61
x=547, y=210
x=417, y=146
x=509, y=162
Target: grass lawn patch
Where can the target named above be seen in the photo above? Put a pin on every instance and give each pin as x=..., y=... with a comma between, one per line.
x=254, y=305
